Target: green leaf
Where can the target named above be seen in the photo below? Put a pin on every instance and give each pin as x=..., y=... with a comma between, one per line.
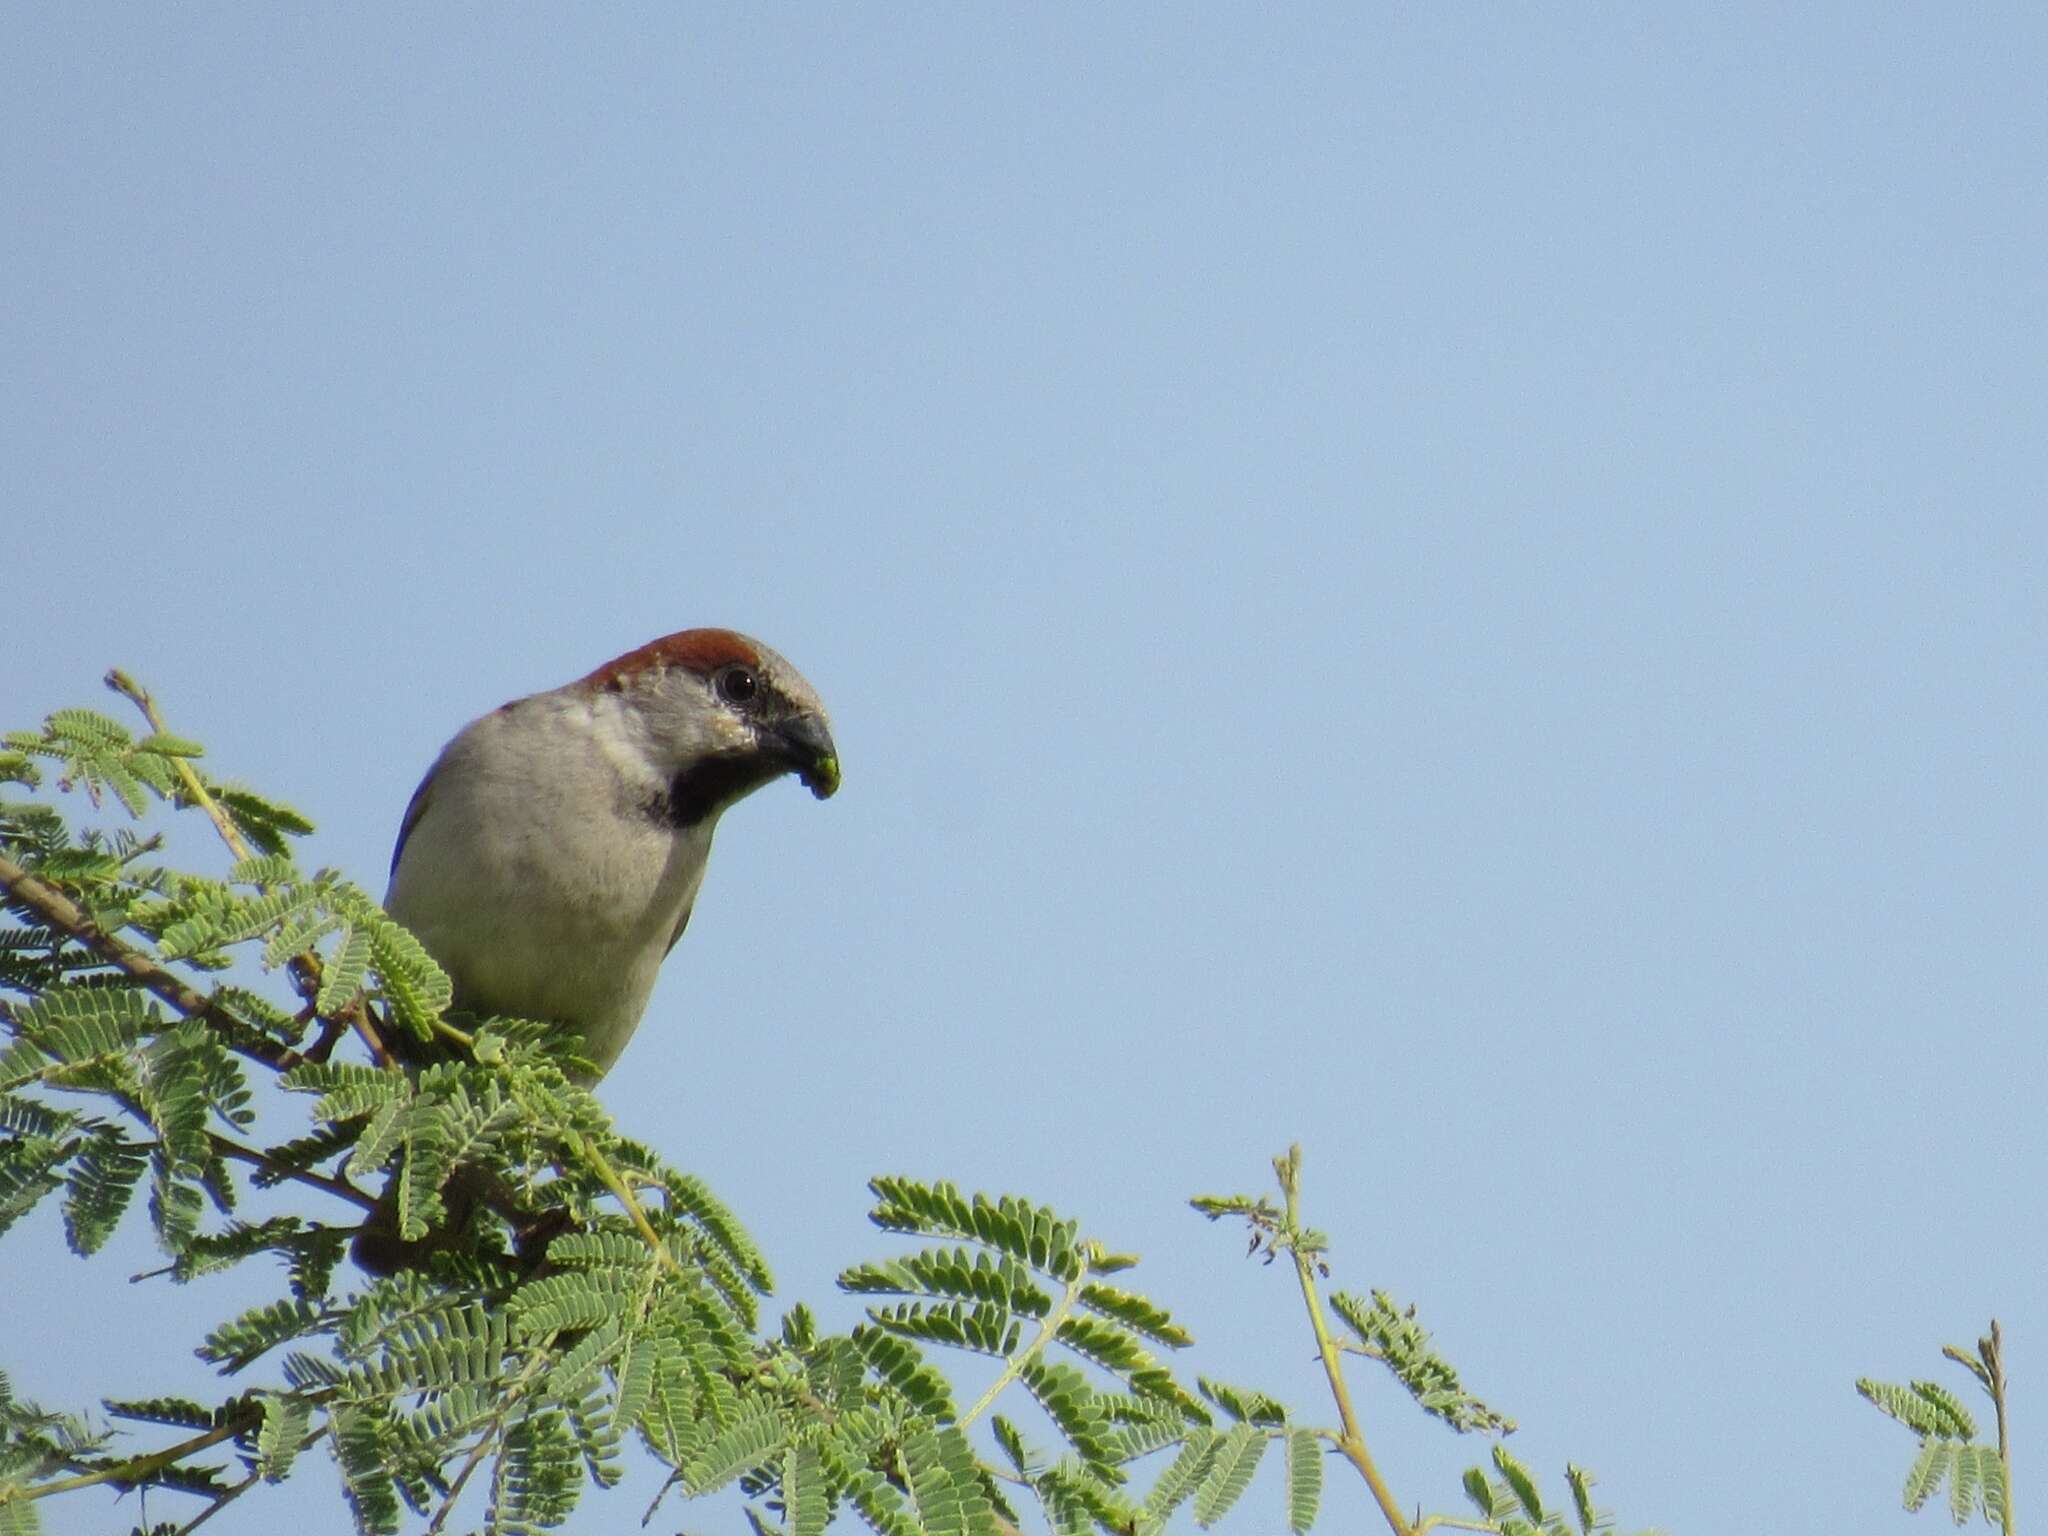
x=598, y=1439
x=1020, y=1455
x=1991, y=1479
x=346, y=968
x=1107, y=1345
x=241, y=1340
x=414, y=984
x=209, y=1251
x=755, y=1436
x=633, y=1377
x=1304, y=1479
x=1949, y=1412
x=265, y=823
x=1479, y=1491
x=1925, y=1407
x=1028, y=1233
x=346, y=1088
x=1244, y=1404
x=1135, y=1312
x=690, y=1199
x=1076, y=1495
x=945, y=1487
x=806, y=1498
x=265, y=869
x=555, y=1303
x=987, y=1330
x=874, y=1500
x=539, y=1474
x=80, y=1025
x=178, y=1412
x=903, y=1366
x=1216, y=1206
x=380, y=1138
x=1069, y=1401
x=940, y=1272
x=1143, y=1424
x=1237, y=1458
x=1963, y=1485
x=360, y=1446
x=285, y=1421
x=28, y=1172
x=1183, y=1474
x=1066, y=1512
x=1520, y=1483
x=1580, y=1482
x=1391, y=1335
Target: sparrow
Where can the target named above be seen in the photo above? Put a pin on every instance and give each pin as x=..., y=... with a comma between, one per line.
x=550, y=859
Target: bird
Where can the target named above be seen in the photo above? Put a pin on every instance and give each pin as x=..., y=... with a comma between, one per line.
x=551, y=857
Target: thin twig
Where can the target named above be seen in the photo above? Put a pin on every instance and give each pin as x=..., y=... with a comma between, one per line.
x=221, y=1501
x=195, y=787
x=230, y=1495
x=476, y=1456
x=341, y=1189
x=513, y=1393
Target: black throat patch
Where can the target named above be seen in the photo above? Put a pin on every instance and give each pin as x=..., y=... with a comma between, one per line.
x=708, y=786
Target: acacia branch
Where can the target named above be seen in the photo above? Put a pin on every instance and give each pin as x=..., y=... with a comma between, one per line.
x=341, y=1189
x=139, y=1469
x=56, y=910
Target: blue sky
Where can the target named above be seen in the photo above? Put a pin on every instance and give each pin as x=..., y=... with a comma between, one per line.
x=1460, y=585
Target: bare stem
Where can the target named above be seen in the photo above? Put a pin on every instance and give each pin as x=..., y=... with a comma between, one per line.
x=601, y=1165
x=1992, y=1348
x=1048, y=1327
x=1352, y=1440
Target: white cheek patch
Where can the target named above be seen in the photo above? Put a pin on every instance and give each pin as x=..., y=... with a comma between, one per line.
x=624, y=744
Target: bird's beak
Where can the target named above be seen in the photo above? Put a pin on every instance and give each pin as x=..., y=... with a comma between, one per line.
x=806, y=741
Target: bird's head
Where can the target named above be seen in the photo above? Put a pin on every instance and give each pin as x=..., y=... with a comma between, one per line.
x=717, y=716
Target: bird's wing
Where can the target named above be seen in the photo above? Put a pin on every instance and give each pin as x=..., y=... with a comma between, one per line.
x=681, y=923
x=414, y=810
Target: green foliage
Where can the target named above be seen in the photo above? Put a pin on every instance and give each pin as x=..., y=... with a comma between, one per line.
x=1304, y=1478
x=1390, y=1334
x=35, y=1444
x=1230, y=1472
x=566, y=1292
x=1927, y=1408
x=1976, y=1475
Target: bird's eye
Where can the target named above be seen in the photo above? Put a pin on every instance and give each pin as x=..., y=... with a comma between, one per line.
x=738, y=685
